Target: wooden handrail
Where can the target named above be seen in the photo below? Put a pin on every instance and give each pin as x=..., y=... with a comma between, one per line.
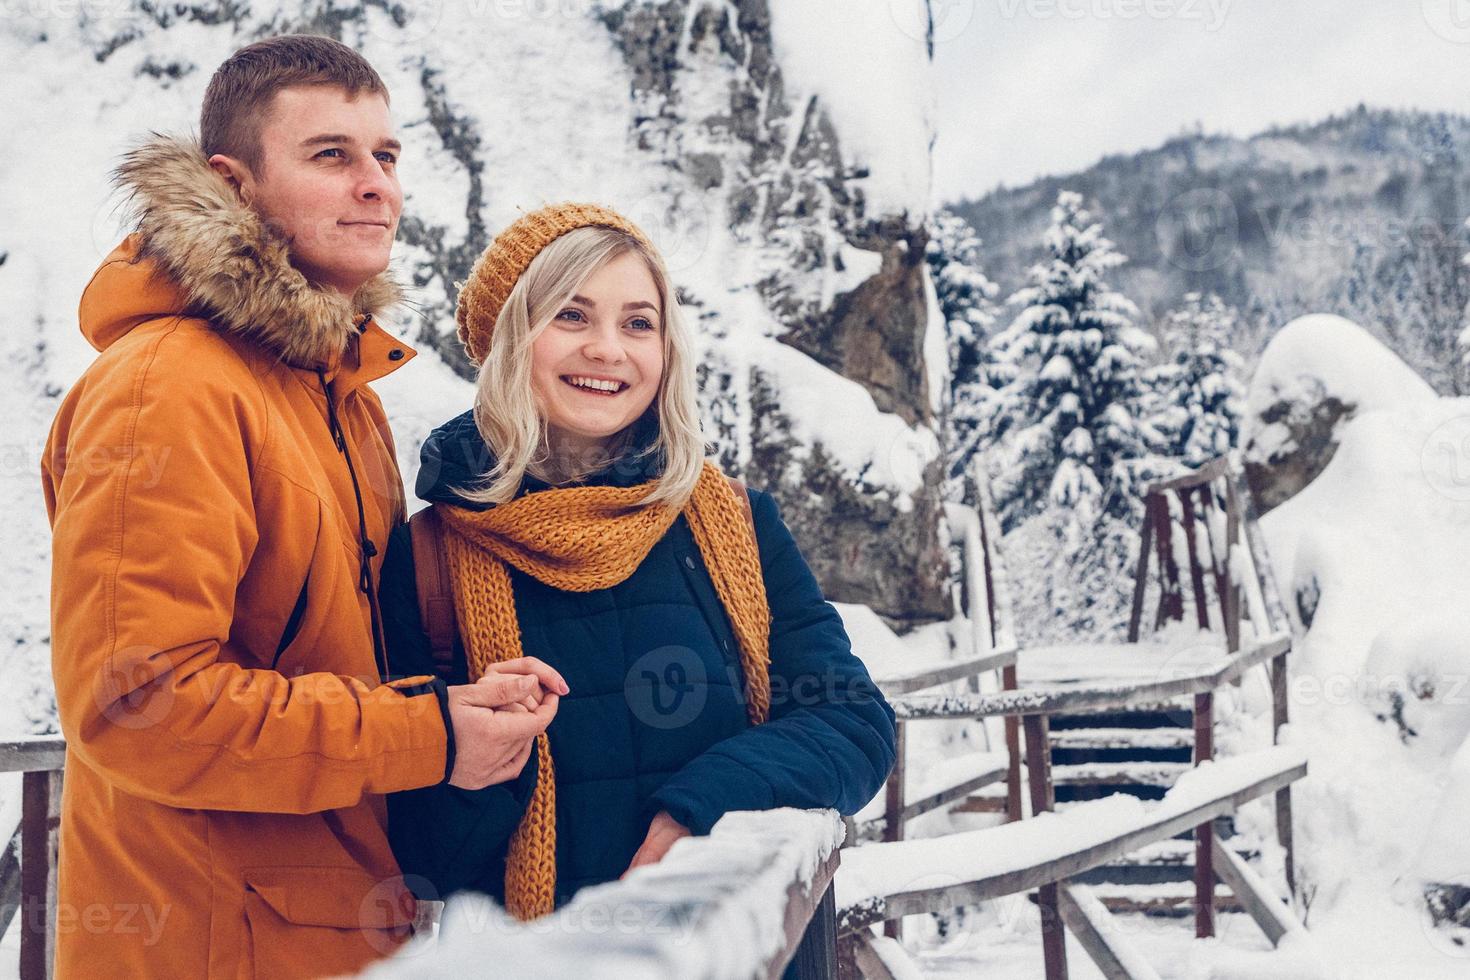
x=1213, y=470
x=35, y=753
x=1290, y=767
x=809, y=918
x=1068, y=700
x=751, y=898
x=958, y=671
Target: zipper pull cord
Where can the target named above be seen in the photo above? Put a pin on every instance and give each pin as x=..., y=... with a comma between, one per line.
x=366, y=549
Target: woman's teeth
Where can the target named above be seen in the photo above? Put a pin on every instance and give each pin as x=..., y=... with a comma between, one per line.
x=593, y=385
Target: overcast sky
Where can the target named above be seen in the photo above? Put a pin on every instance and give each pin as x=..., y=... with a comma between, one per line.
x=1034, y=87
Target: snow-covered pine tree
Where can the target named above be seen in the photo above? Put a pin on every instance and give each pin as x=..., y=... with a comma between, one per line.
x=1071, y=413
x=1200, y=396
x=966, y=300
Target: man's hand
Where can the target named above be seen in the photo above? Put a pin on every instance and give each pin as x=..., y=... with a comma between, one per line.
x=662, y=833
x=496, y=720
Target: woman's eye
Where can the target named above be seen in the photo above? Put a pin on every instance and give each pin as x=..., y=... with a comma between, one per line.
x=573, y=315
x=642, y=323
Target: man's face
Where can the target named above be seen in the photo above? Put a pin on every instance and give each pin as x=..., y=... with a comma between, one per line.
x=329, y=182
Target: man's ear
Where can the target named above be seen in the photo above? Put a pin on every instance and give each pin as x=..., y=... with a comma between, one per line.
x=235, y=173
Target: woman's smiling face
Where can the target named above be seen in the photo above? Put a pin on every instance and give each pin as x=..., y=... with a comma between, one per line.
x=608, y=335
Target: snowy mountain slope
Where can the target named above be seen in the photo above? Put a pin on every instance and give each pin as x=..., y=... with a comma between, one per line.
x=797, y=243
x=1361, y=214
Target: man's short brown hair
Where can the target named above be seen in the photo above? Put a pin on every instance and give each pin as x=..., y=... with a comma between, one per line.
x=243, y=89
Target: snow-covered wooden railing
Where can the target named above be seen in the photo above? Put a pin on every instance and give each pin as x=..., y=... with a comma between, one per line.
x=1067, y=699
x=746, y=901
x=28, y=865
x=993, y=649
x=980, y=865
x=959, y=670
x=1215, y=515
x=1090, y=834
x=954, y=783
x=751, y=899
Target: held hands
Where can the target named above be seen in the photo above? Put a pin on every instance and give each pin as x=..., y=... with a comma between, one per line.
x=497, y=718
x=662, y=833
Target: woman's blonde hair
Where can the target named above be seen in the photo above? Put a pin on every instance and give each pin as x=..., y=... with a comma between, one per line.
x=506, y=410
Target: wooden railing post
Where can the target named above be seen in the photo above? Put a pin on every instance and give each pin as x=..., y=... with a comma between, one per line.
x=893, y=812
x=1048, y=899
x=1014, y=809
x=816, y=957
x=1196, y=571
x=1204, y=834
x=1232, y=541
x=1171, y=595
x=40, y=823
x=1140, y=574
x=1276, y=619
x=1279, y=717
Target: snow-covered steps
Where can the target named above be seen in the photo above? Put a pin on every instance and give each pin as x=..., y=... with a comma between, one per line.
x=1125, y=774
x=1121, y=738
x=1163, y=862
x=1169, y=898
x=1176, y=853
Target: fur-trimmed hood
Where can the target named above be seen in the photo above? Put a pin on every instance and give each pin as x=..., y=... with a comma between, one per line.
x=225, y=264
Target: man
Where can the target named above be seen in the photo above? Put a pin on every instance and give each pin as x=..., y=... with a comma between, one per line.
x=221, y=485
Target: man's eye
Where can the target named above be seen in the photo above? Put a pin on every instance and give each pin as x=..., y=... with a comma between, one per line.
x=386, y=157
x=333, y=149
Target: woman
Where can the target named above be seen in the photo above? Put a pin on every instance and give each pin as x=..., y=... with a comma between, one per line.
x=699, y=669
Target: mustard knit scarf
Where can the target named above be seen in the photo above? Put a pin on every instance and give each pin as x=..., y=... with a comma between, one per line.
x=581, y=539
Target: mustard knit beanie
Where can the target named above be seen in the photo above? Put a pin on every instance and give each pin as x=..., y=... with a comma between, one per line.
x=502, y=264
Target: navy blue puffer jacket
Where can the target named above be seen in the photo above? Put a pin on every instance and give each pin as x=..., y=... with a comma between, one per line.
x=656, y=718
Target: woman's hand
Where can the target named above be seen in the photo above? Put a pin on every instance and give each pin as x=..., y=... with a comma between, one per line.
x=662, y=833
x=550, y=680
x=497, y=718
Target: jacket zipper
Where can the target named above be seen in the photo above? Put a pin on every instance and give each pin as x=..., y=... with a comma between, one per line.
x=366, y=549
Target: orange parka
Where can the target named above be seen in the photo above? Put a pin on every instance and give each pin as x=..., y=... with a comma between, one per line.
x=229, y=737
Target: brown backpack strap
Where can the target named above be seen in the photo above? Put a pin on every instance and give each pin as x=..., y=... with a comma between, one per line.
x=436, y=595
x=744, y=499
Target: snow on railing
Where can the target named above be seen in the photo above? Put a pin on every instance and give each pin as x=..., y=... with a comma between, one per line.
x=747, y=900
x=1057, y=699
x=977, y=865
x=743, y=902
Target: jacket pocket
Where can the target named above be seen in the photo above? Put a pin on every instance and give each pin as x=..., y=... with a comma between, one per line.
x=311, y=922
